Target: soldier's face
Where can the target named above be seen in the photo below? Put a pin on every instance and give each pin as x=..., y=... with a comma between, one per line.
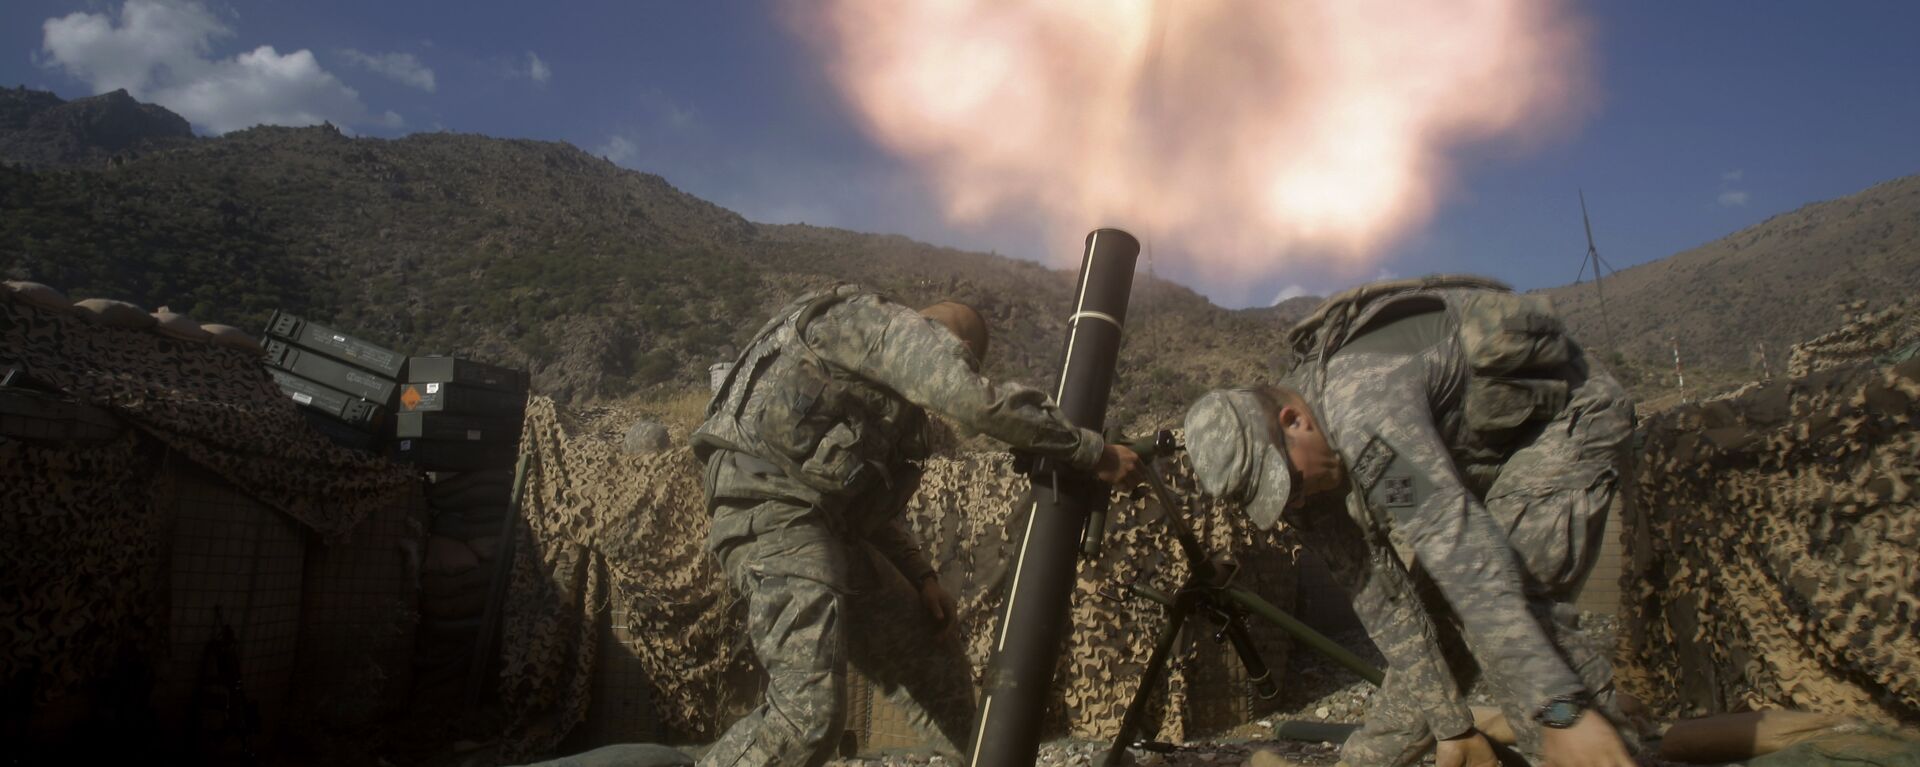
x=1317, y=466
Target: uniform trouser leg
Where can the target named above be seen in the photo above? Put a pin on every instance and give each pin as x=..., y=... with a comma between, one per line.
x=1553, y=497
x=893, y=642
x=793, y=582
x=1418, y=697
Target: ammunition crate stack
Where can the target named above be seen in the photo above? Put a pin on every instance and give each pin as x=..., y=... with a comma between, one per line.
x=346, y=386
x=461, y=420
x=459, y=415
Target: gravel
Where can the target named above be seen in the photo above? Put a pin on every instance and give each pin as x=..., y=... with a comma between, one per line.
x=1313, y=690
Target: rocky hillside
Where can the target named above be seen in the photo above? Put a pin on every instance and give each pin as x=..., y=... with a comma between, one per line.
x=603, y=281
x=38, y=129
x=608, y=282
x=1768, y=286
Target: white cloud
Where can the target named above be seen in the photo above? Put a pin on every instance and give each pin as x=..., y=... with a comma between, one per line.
x=403, y=68
x=538, y=69
x=160, y=51
x=618, y=150
x=1288, y=293
x=1733, y=198
x=1385, y=274
x=1732, y=175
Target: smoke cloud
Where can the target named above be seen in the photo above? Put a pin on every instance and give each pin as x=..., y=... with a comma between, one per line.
x=1246, y=137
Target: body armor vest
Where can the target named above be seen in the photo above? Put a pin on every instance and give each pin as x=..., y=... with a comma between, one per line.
x=836, y=433
x=1515, y=346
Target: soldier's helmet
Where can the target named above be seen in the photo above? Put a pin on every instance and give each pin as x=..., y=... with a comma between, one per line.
x=1235, y=457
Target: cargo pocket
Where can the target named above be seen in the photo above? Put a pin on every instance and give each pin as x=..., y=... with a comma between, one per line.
x=1556, y=531
x=792, y=419
x=1499, y=406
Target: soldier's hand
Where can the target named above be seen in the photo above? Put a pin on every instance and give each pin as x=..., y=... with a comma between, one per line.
x=1119, y=466
x=1590, y=742
x=1470, y=749
x=938, y=602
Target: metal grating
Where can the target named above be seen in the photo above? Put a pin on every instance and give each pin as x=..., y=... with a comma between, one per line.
x=237, y=562
x=360, y=618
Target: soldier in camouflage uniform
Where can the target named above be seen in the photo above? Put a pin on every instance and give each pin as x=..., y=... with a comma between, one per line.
x=1453, y=420
x=813, y=444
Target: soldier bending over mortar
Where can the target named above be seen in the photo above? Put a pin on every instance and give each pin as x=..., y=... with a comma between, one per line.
x=812, y=447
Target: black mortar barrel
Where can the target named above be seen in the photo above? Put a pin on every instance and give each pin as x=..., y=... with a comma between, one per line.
x=1028, y=639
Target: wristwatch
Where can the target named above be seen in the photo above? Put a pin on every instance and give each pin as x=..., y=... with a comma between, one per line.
x=1561, y=712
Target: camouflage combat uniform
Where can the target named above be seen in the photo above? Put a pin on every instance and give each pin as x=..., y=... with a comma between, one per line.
x=812, y=447
x=1495, y=474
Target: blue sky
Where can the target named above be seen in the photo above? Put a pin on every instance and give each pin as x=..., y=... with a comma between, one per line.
x=1705, y=117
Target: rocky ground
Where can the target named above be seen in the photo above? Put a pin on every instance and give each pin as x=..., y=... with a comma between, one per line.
x=1315, y=691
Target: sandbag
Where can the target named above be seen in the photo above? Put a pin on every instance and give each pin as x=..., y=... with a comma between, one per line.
x=38, y=295
x=228, y=335
x=114, y=314
x=455, y=607
x=488, y=494
x=485, y=547
x=446, y=556
x=468, y=525
x=446, y=482
x=176, y=325
x=442, y=586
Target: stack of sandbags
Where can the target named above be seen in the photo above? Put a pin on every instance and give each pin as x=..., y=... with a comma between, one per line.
x=470, y=513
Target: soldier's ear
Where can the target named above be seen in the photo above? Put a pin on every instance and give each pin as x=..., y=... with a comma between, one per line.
x=1295, y=420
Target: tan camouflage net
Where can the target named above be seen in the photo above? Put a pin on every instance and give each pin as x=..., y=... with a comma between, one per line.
x=1864, y=336
x=610, y=528
x=214, y=404
x=605, y=525
x=1773, y=550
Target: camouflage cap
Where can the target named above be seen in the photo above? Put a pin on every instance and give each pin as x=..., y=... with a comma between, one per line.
x=1234, y=456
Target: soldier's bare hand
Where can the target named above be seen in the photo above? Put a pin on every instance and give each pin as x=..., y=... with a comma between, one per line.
x=1468, y=750
x=1119, y=466
x=938, y=602
x=1590, y=742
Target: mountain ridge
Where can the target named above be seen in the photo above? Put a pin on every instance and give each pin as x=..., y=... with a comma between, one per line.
x=607, y=282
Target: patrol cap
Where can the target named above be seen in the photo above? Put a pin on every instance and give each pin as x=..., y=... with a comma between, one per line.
x=1234, y=456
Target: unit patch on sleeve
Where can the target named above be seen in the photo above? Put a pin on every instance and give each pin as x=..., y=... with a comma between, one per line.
x=1372, y=463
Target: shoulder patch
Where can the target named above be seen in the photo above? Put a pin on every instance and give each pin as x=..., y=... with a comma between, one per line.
x=1372, y=463
x=1396, y=491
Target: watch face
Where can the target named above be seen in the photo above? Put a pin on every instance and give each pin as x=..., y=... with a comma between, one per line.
x=1560, y=714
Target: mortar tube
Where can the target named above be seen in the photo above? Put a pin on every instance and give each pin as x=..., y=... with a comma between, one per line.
x=1027, y=645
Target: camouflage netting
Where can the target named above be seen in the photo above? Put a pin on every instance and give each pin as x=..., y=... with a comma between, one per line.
x=1773, y=550
x=83, y=526
x=602, y=525
x=212, y=403
x=82, y=574
x=611, y=528
x=1864, y=336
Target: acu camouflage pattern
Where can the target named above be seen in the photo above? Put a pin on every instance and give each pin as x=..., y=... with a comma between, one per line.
x=1479, y=441
x=607, y=529
x=813, y=447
